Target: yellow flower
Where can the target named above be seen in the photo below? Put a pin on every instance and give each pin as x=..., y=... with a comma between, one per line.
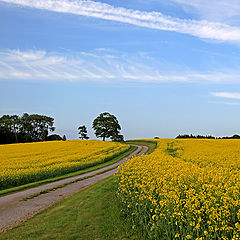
x=177, y=235
x=186, y=179
x=237, y=225
x=192, y=224
x=197, y=226
x=153, y=216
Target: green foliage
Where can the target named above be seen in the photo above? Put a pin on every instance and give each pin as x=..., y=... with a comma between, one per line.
x=193, y=136
x=9, y=128
x=54, y=137
x=28, y=128
x=83, y=132
x=118, y=138
x=37, y=126
x=106, y=126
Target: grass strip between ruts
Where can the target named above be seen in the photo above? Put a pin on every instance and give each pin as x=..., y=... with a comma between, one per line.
x=63, y=185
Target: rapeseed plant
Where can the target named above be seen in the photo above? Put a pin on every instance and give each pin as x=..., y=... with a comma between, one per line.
x=186, y=189
x=28, y=162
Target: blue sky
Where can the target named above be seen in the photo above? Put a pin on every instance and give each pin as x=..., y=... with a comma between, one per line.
x=162, y=67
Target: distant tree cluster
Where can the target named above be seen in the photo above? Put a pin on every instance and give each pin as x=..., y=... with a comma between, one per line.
x=194, y=136
x=26, y=128
x=105, y=126
x=56, y=137
x=235, y=136
x=207, y=137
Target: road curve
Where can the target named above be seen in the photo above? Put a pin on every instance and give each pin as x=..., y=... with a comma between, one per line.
x=13, y=211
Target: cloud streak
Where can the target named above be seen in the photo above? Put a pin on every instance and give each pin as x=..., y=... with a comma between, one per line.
x=155, y=20
x=105, y=66
x=226, y=95
x=220, y=10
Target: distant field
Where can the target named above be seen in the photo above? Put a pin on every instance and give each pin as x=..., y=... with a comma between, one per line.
x=29, y=162
x=185, y=189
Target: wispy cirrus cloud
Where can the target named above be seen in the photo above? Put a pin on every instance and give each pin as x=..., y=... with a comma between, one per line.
x=217, y=10
x=155, y=20
x=226, y=95
x=100, y=65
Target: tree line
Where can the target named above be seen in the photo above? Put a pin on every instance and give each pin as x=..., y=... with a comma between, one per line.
x=235, y=136
x=36, y=128
x=25, y=128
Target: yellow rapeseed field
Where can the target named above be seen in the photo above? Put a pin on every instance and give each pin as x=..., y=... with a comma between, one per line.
x=27, y=162
x=185, y=189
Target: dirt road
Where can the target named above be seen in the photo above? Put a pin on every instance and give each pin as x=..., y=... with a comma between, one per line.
x=13, y=210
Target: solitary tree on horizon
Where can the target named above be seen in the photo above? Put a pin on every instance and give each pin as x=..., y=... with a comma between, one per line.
x=106, y=126
x=83, y=132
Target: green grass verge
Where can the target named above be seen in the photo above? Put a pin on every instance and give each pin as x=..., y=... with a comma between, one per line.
x=152, y=145
x=93, y=213
x=45, y=181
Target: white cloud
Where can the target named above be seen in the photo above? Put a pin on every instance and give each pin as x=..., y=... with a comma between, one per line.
x=217, y=10
x=28, y=55
x=156, y=20
x=226, y=95
x=100, y=66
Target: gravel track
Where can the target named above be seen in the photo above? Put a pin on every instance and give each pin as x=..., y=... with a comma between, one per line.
x=13, y=211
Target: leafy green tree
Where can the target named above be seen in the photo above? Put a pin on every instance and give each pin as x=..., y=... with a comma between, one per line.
x=64, y=138
x=15, y=126
x=28, y=128
x=9, y=128
x=36, y=127
x=106, y=126
x=83, y=132
x=6, y=136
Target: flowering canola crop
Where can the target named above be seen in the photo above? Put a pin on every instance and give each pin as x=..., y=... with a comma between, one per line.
x=28, y=162
x=185, y=189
